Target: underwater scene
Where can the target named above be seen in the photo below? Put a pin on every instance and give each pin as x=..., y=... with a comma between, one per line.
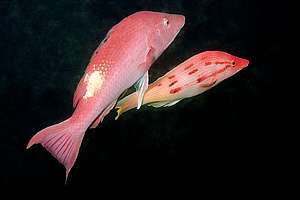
x=110, y=94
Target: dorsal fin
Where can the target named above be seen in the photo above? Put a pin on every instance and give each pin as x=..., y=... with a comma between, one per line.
x=81, y=87
x=103, y=41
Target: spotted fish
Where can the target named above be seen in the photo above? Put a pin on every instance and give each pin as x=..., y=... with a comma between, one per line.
x=192, y=77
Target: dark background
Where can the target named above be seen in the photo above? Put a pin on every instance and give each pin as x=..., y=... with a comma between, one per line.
x=215, y=137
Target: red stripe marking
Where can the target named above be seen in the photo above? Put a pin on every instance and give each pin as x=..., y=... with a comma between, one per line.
x=173, y=83
x=191, y=72
x=173, y=91
x=170, y=77
x=224, y=62
x=187, y=67
x=200, y=79
x=207, y=63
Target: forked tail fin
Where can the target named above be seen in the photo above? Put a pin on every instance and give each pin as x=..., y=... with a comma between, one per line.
x=62, y=140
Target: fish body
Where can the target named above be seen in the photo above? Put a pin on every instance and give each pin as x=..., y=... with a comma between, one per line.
x=190, y=78
x=122, y=58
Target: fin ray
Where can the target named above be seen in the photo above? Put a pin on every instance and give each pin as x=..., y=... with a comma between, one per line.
x=164, y=103
x=141, y=87
x=62, y=140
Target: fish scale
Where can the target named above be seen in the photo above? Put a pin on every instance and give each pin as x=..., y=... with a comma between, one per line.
x=190, y=78
x=122, y=58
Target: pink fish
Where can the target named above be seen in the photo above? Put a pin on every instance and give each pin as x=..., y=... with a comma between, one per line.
x=122, y=58
x=192, y=77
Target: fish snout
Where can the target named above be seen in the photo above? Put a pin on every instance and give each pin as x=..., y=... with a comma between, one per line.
x=180, y=20
x=244, y=63
x=241, y=63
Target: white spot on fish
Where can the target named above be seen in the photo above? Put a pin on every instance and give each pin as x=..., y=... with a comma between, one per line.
x=94, y=83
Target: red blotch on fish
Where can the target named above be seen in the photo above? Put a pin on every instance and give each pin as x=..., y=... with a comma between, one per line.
x=159, y=84
x=200, y=79
x=207, y=63
x=193, y=71
x=189, y=66
x=173, y=83
x=175, y=90
x=172, y=76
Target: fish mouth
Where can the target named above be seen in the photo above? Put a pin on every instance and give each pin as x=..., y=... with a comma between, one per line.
x=182, y=22
x=243, y=62
x=246, y=62
x=181, y=19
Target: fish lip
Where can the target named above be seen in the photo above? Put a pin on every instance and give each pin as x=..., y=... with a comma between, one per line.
x=247, y=62
x=177, y=31
x=182, y=25
x=183, y=19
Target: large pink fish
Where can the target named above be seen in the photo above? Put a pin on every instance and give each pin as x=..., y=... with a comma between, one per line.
x=192, y=77
x=122, y=59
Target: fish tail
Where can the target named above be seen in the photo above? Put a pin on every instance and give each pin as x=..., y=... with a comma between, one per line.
x=62, y=140
x=125, y=104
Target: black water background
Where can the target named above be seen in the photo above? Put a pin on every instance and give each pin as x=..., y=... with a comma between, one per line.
x=45, y=47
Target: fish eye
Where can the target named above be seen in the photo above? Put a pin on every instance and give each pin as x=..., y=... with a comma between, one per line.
x=233, y=63
x=166, y=22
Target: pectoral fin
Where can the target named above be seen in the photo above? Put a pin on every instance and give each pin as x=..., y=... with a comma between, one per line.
x=103, y=41
x=141, y=87
x=164, y=103
x=208, y=82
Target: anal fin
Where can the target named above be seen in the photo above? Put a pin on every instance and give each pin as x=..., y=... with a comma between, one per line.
x=171, y=103
x=164, y=103
x=99, y=119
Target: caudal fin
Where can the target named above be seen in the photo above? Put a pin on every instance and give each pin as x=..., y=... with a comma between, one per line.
x=62, y=141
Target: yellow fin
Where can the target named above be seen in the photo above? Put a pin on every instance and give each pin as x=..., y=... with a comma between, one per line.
x=119, y=112
x=125, y=104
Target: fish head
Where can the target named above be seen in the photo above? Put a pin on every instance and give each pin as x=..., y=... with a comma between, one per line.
x=167, y=27
x=226, y=65
x=236, y=64
x=164, y=28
